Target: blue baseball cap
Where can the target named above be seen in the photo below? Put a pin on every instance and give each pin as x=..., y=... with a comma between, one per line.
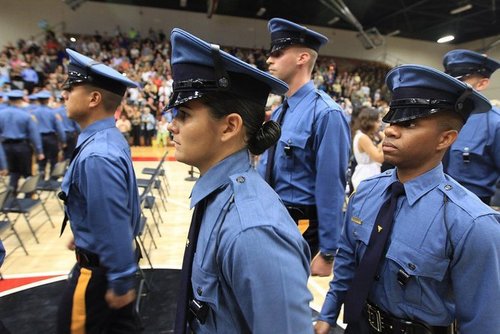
x=199, y=67
x=419, y=91
x=84, y=70
x=459, y=63
x=285, y=33
x=14, y=94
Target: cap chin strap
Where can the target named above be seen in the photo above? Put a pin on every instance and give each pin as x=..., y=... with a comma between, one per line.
x=464, y=106
x=221, y=77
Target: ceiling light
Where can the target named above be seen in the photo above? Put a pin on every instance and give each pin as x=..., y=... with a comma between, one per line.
x=261, y=11
x=72, y=39
x=446, y=39
x=460, y=9
x=334, y=20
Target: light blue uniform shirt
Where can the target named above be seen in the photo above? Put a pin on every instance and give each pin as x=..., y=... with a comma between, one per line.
x=314, y=173
x=49, y=121
x=443, y=236
x=250, y=264
x=480, y=138
x=103, y=201
x=69, y=125
x=17, y=124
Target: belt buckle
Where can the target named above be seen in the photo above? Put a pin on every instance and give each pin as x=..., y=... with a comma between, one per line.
x=374, y=318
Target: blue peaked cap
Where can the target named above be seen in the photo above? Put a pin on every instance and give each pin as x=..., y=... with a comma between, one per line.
x=285, y=33
x=199, y=67
x=459, y=63
x=33, y=96
x=43, y=95
x=419, y=91
x=14, y=94
x=82, y=69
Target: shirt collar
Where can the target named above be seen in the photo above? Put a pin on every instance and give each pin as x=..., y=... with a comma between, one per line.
x=219, y=175
x=300, y=94
x=95, y=127
x=421, y=185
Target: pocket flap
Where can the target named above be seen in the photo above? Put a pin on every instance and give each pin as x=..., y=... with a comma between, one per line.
x=205, y=285
x=416, y=262
x=295, y=139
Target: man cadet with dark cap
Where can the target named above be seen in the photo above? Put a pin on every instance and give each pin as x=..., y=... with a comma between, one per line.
x=308, y=164
x=102, y=203
x=474, y=158
x=418, y=250
x=51, y=129
x=19, y=134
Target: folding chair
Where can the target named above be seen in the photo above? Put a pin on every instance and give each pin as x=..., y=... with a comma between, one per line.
x=53, y=184
x=5, y=222
x=25, y=206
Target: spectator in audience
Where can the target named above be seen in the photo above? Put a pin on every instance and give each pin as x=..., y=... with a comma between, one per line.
x=148, y=125
x=123, y=124
x=367, y=145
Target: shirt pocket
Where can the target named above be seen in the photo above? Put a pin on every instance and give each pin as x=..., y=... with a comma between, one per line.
x=426, y=275
x=205, y=286
x=469, y=149
x=293, y=149
x=361, y=235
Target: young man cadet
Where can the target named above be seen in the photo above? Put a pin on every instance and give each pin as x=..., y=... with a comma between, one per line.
x=308, y=164
x=102, y=204
x=19, y=134
x=474, y=158
x=418, y=250
x=51, y=129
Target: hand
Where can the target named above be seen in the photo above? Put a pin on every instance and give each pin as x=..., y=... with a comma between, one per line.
x=321, y=267
x=321, y=327
x=4, y=172
x=71, y=244
x=40, y=156
x=115, y=302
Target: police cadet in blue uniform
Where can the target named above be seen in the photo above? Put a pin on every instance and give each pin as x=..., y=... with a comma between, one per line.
x=474, y=158
x=308, y=164
x=18, y=129
x=418, y=250
x=102, y=204
x=70, y=127
x=247, y=270
x=52, y=132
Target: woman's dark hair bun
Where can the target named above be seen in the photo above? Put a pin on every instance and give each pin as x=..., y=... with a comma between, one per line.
x=266, y=136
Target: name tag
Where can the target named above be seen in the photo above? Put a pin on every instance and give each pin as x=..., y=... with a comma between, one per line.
x=356, y=220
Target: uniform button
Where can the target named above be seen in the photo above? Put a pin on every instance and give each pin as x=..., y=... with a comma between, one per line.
x=355, y=233
x=448, y=187
x=240, y=179
x=199, y=291
x=377, y=277
x=412, y=266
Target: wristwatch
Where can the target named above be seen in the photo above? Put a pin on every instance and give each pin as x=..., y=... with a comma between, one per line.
x=328, y=257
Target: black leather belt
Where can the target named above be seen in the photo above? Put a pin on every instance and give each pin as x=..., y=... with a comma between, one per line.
x=302, y=211
x=86, y=259
x=383, y=322
x=14, y=141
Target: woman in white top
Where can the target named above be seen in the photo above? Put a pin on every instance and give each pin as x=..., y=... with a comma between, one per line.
x=368, y=155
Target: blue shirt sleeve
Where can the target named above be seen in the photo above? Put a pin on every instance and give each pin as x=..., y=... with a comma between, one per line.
x=3, y=158
x=272, y=296
x=343, y=273
x=476, y=277
x=2, y=253
x=35, y=137
x=104, y=183
x=61, y=134
x=332, y=144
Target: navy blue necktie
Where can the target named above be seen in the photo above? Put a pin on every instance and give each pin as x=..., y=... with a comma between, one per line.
x=272, y=150
x=362, y=281
x=186, y=289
